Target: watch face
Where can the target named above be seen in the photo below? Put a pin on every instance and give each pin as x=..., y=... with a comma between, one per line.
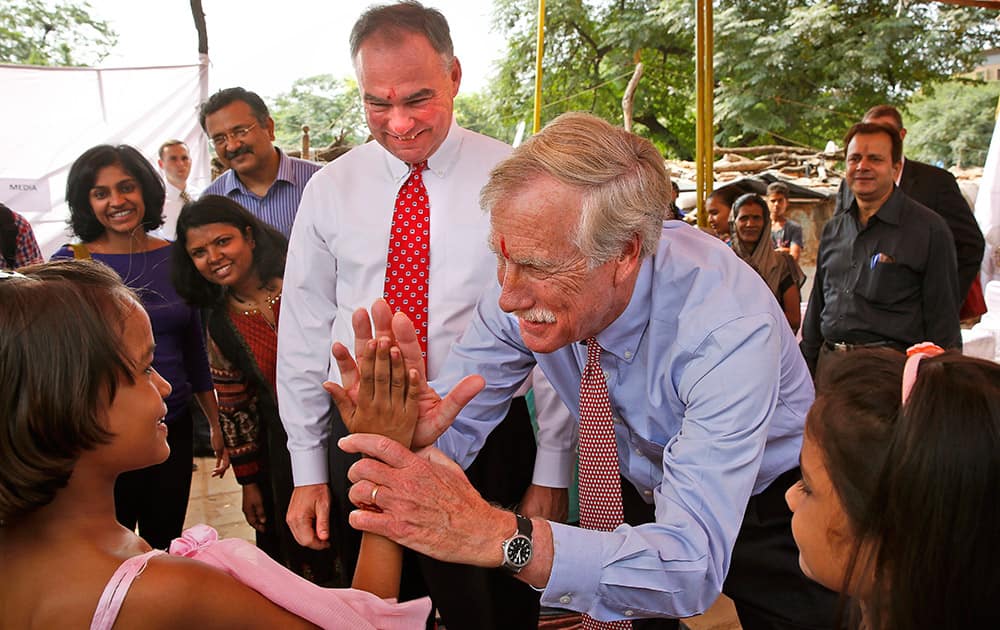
x=519, y=551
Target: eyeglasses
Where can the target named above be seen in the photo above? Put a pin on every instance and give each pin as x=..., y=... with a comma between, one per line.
x=238, y=133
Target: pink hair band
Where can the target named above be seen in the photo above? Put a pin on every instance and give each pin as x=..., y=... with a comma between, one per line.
x=914, y=355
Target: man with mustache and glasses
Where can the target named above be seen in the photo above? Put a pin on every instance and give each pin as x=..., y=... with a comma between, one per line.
x=261, y=178
x=419, y=182
x=690, y=390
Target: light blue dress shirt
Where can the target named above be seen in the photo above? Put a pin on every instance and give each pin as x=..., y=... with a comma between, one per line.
x=278, y=206
x=709, y=393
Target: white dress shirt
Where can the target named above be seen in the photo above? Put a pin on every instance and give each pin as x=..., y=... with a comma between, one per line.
x=172, y=205
x=336, y=264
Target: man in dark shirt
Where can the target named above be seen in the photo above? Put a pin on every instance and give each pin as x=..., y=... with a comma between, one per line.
x=937, y=189
x=886, y=271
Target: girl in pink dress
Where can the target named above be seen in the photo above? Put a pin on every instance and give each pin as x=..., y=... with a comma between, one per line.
x=80, y=403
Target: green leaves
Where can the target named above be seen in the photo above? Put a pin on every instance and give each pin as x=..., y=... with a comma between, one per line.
x=816, y=67
x=330, y=107
x=590, y=53
x=786, y=71
x=34, y=32
x=952, y=123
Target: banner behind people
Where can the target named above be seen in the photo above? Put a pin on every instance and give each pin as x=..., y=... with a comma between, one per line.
x=50, y=115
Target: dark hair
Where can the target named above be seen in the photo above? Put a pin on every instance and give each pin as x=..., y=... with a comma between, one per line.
x=83, y=174
x=404, y=17
x=726, y=194
x=857, y=404
x=780, y=188
x=227, y=96
x=918, y=482
x=869, y=128
x=268, y=254
x=752, y=199
x=935, y=513
x=884, y=111
x=61, y=356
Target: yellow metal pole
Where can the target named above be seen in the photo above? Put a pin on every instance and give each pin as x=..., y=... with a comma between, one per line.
x=704, y=96
x=699, y=149
x=540, y=51
x=709, y=125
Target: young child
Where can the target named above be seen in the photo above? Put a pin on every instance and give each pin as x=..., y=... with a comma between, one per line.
x=80, y=404
x=897, y=507
x=785, y=233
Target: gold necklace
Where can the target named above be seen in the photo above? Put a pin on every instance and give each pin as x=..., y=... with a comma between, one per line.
x=251, y=307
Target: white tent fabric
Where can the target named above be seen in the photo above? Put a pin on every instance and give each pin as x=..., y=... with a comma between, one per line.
x=988, y=209
x=52, y=115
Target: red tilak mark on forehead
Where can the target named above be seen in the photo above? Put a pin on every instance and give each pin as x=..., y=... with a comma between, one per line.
x=503, y=248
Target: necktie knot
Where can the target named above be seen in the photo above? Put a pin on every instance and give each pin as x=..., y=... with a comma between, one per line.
x=593, y=351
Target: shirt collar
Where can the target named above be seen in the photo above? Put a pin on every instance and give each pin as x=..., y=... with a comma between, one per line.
x=439, y=163
x=890, y=210
x=173, y=192
x=285, y=174
x=285, y=171
x=621, y=338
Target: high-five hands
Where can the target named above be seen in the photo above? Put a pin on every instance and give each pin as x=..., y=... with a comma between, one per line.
x=384, y=400
x=434, y=414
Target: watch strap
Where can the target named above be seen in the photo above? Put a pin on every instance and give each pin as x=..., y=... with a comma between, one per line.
x=524, y=525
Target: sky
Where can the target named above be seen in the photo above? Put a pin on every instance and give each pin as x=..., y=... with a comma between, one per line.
x=266, y=46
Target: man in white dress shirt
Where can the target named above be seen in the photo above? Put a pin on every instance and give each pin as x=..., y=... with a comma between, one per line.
x=175, y=162
x=337, y=262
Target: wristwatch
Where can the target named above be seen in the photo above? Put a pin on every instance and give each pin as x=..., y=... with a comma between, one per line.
x=517, y=548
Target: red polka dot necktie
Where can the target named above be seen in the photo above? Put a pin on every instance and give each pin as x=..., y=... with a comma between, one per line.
x=407, y=267
x=600, y=475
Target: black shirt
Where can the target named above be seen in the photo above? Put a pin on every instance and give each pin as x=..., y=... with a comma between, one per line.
x=895, y=280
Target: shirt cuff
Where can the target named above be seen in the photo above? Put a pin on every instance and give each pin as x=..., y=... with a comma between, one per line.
x=576, y=573
x=310, y=467
x=553, y=467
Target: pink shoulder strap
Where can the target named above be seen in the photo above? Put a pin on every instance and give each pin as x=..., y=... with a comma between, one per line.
x=117, y=588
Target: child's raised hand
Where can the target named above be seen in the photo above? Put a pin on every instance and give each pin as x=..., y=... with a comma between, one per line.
x=386, y=402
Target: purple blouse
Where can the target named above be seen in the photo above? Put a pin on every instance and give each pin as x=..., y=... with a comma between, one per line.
x=180, y=356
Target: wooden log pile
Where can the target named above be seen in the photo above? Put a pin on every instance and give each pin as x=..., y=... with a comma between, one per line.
x=787, y=160
x=806, y=166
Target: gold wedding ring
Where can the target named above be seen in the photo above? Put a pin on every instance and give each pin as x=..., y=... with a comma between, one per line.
x=374, y=494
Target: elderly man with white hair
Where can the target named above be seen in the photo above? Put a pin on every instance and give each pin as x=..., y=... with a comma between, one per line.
x=690, y=390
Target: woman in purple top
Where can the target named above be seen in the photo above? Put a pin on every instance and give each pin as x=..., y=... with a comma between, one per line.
x=116, y=199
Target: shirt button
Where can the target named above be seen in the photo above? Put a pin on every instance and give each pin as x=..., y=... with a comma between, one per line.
x=606, y=376
x=629, y=613
x=648, y=493
x=565, y=599
x=628, y=354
